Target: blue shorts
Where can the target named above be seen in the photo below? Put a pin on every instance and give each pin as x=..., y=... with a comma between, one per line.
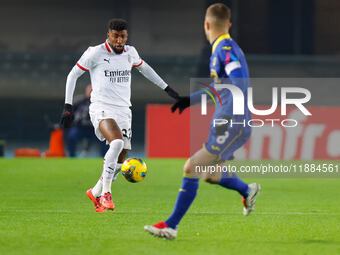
x=223, y=143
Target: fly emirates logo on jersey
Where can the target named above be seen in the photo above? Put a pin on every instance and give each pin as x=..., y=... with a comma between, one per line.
x=118, y=76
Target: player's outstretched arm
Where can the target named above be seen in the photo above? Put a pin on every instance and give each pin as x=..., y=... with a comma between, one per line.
x=152, y=76
x=67, y=115
x=181, y=104
x=185, y=102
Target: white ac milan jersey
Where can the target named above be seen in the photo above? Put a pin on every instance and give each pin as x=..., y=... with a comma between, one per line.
x=110, y=73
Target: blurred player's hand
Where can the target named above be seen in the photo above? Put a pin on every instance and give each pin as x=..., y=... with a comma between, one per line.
x=172, y=93
x=181, y=104
x=67, y=116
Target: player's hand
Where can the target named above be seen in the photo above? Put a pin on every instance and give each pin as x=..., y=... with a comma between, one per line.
x=181, y=104
x=67, y=116
x=172, y=93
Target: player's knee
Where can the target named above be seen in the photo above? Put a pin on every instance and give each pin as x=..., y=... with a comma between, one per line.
x=186, y=168
x=190, y=170
x=113, y=138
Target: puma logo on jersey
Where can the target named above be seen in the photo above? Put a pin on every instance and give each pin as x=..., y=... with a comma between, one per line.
x=107, y=60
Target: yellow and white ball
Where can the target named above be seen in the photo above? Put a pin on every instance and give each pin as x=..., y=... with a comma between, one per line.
x=134, y=169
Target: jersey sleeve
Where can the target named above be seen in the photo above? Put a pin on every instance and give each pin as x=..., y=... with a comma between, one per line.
x=228, y=60
x=86, y=61
x=136, y=60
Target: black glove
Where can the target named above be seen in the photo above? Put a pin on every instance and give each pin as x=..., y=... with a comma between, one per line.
x=172, y=93
x=67, y=116
x=181, y=104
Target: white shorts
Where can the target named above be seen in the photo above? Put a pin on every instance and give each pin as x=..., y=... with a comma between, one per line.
x=122, y=116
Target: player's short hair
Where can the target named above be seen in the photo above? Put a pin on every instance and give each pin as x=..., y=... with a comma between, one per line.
x=219, y=13
x=117, y=24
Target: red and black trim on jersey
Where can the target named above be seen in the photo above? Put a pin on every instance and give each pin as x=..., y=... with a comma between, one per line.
x=141, y=62
x=108, y=47
x=82, y=68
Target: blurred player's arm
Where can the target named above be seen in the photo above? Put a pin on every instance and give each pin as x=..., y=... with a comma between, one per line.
x=78, y=70
x=67, y=116
x=194, y=98
x=233, y=71
x=71, y=81
x=231, y=68
x=152, y=76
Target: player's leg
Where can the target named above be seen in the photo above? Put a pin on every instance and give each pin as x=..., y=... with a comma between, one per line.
x=186, y=195
x=234, y=141
x=100, y=194
x=222, y=142
x=227, y=180
x=119, y=164
x=122, y=156
x=113, y=135
x=122, y=120
x=98, y=188
x=188, y=190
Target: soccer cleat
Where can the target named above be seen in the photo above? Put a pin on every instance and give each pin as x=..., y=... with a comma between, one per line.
x=249, y=202
x=106, y=201
x=97, y=206
x=162, y=230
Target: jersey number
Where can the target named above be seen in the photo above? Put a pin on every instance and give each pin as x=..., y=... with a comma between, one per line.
x=127, y=133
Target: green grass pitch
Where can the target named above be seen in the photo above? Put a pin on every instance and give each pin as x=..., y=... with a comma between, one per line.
x=44, y=210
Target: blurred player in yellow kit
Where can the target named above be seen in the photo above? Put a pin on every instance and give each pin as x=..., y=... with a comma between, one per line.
x=227, y=61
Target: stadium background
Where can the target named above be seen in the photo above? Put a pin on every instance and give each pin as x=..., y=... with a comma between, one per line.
x=41, y=41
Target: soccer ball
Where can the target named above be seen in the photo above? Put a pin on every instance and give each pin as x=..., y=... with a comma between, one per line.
x=134, y=169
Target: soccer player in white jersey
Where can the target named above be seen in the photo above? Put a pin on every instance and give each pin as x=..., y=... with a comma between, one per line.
x=109, y=65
